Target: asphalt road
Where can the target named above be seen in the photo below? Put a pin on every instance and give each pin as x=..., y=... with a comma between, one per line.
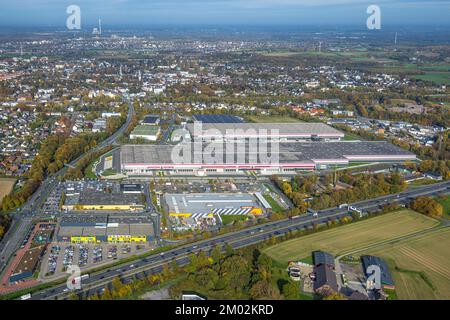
x=238, y=239
x=22, y=218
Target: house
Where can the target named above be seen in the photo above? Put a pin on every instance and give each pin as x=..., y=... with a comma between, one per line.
x=99, y=125
x=386, y=278
x=433, y=176
x=347, y=113
x=110, y=114
x=325, y=280
x=323, y=258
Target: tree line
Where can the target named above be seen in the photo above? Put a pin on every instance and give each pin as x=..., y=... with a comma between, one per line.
x=4, y=224
x=303, y=190
x=54, y=152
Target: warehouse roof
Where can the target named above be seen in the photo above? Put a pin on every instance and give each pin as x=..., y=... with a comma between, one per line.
x=133, y=228
x=217, y=118
x=288, y=152
x=145, y=130
x=296, y=129
x=150, y=119
x=207, y=202
x=104, y=198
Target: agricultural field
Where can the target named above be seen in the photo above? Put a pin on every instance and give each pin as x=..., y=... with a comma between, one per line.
x=357, y=235
x=436, y=77
x=279, y=53
x=437, y=73
x=420, y=266
x=6, y=185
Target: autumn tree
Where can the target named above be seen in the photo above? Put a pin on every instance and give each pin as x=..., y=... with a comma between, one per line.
x=290, y=290
x=427, y=206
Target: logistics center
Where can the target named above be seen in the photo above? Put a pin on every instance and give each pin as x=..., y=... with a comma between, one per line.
x=145, y=160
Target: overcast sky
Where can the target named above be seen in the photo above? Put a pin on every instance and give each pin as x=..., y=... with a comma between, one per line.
x=212, y=12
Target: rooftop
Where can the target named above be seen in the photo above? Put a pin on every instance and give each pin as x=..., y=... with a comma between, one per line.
x=150, y=119
x=289, y=152
x=143, y=130
x=104, y=198
x=29, y=261
x=300, y=129
x=321, y=257
x=325, y=276
x=217, y=118
x=386, y=277
x=208, y=202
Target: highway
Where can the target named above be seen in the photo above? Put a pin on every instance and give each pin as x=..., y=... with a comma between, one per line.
x=22, y=218
x=238, y=239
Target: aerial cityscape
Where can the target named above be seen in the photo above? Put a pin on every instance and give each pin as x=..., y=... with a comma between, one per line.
x=211, y=158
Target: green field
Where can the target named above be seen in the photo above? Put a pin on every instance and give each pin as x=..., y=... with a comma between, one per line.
x=422, y=182
x=280, y=53
x=89, y=171
x=420, y=266
x=274, y=119
x=437, y=73
x=275, y=206
x=351, y=137
x=436, y=77
x=445, y=201
x=231, y=218
x=357, y=235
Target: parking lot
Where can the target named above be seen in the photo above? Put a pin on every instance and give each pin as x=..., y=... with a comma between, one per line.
x=52, y=204
x=61, y=255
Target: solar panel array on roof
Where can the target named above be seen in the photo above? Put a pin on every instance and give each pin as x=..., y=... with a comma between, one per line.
x=320, y=257
x=217, y=118
x=386, y=277
x=150, y=119
x=288, y=152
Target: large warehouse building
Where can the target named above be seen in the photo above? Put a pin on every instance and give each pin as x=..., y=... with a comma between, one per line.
x=198, y=205
x=82, y=229
x=284, y=131
x=142, y=160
